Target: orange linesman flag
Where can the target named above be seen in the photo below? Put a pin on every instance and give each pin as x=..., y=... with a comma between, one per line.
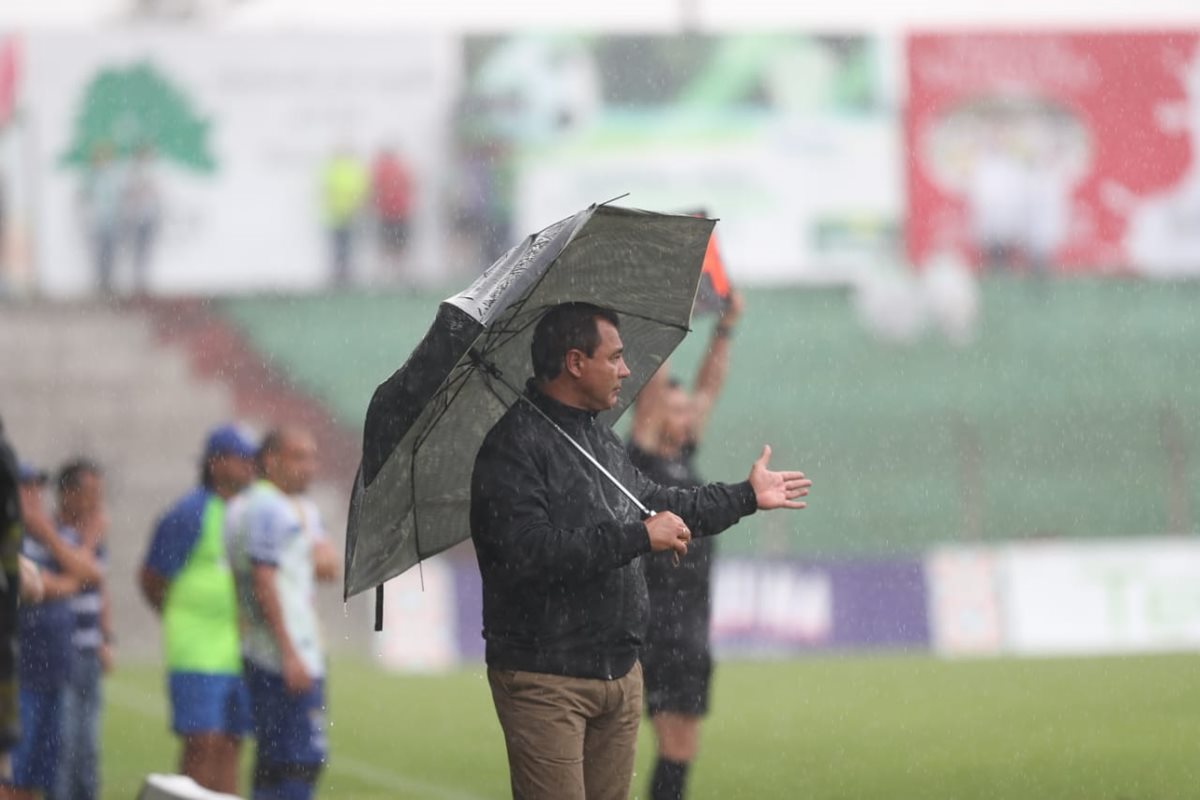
x=713, y=294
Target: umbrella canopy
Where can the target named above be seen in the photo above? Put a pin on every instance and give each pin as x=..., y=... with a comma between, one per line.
x=426, y=423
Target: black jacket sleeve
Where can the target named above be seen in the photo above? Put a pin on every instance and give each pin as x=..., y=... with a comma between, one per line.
x=707, y=510
x=511, y=524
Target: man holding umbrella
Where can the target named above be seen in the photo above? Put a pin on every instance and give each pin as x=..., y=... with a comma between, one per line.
x=558, y=542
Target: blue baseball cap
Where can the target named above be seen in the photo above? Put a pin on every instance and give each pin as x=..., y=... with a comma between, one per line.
x=229, y=440
x=31, y=474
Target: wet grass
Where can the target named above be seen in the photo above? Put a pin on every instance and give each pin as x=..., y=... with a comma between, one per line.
x=837, y=727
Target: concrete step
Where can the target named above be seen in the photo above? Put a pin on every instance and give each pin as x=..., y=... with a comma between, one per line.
x=96, y=380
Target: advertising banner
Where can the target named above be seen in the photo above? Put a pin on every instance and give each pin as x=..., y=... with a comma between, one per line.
x=1045, y=598
x=177, y=162
x=420, y=632
x=1066, y=598
x=759, y=608
x=1055, y=151
x=789, y=139
x=1095, y=597
x=774, y=607
x=16, y=215
x=10, y=65
x=964, y=601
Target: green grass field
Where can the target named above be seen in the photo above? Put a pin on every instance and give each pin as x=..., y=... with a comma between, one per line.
x=838, y=727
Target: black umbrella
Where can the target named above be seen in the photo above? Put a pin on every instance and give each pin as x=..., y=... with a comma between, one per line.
x=425, y=424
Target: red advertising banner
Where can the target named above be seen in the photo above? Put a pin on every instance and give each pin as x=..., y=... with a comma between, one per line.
x=1058, y=152
x=9, y=59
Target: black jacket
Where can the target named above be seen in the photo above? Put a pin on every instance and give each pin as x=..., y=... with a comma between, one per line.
x=558, y=545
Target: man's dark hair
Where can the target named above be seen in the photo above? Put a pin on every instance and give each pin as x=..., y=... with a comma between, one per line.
x=71, y=474
x=569, y=326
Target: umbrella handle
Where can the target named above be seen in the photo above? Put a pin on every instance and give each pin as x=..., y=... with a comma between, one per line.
x=674, y=553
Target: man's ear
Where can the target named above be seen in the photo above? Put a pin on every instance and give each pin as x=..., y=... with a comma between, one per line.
x=573, y=362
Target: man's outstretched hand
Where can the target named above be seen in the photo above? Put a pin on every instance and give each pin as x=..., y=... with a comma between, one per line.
x=777, y=489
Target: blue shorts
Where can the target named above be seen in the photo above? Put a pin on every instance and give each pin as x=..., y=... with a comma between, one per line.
x=35, y=758
x=203, y=703
x=290, y=728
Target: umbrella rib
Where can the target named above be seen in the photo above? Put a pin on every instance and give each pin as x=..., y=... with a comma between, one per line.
x=495, y=342
x=412, y=489
x=458, y=384
x=674, y=325
x=509, y=333
x=512, y=333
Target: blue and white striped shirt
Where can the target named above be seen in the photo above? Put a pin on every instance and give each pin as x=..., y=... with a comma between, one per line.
x=87, y=603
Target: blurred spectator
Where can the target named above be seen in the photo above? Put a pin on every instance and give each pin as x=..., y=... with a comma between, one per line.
x=143, y=214
x=889, y=303
x=4, y=265
x=1048, y=207
x=46, y=653
x=278, y=548
x=482, y=209
x=996, y=201
x=186, y=579
x=101, y=196
x=21, y=584
x=392, y=201
x=10, y=548
x=344, y=185
x=83, y=523
x=951, y=296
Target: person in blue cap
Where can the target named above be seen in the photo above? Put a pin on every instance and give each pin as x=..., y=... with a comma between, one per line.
x=186, y=578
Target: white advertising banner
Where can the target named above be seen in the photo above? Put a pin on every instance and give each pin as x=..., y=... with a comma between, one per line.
x=799, y=201
x=1066, y=598
x=196, y=162
x=420, y=633
x=1085, y=598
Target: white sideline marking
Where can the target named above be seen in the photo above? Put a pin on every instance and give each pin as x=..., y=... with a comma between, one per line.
x=147, y=705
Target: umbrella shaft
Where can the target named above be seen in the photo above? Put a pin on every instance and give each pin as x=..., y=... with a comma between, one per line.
x=595, y=463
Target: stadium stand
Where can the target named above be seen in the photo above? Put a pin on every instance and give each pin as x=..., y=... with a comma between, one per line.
x=122, y=385
x=1070, y=415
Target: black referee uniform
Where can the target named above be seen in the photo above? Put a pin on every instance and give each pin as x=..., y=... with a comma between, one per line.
x=675, y=654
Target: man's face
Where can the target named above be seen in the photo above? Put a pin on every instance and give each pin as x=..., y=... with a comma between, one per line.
x=84, y=500
x=293, y=466
x=231, y=470
x=678, y=416
x=600, y=375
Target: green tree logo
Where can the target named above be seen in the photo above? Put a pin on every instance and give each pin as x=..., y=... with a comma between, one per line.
x=129, y=109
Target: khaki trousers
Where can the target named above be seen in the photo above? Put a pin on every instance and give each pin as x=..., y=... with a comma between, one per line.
x=568, y=738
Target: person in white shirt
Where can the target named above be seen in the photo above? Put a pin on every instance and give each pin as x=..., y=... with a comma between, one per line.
x=278, y=550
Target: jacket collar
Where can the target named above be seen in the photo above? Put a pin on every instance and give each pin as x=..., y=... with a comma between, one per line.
x=559, y=412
